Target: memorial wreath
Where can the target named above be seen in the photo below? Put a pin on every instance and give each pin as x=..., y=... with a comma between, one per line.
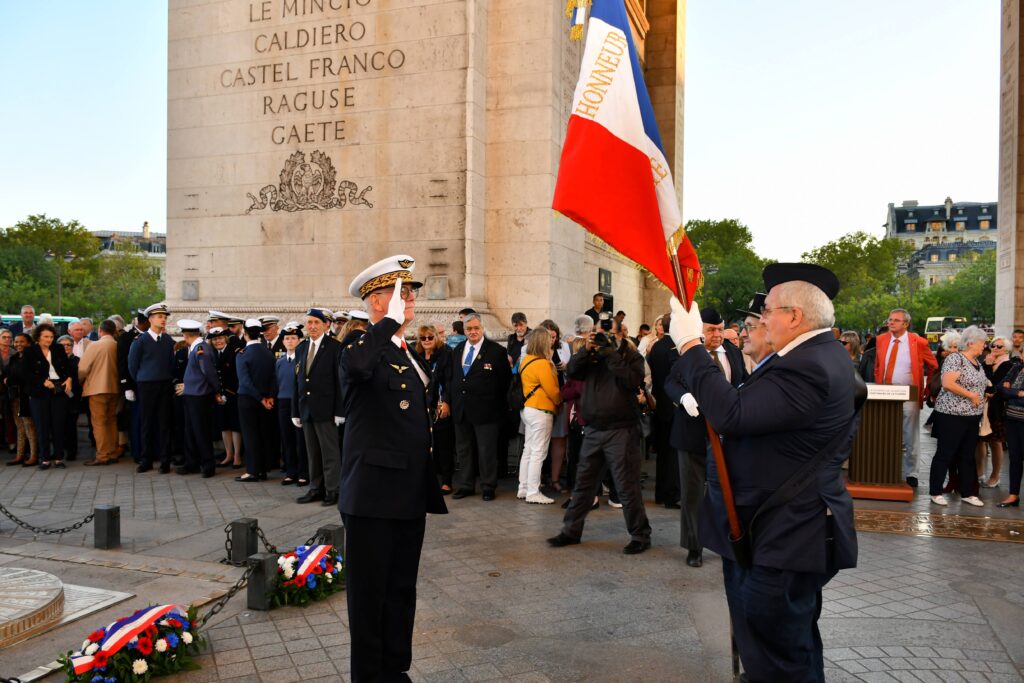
x=310, y=573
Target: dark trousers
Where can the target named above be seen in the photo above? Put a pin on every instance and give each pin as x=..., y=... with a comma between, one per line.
x=259, y=435
x=178, y=432
x=1015, y=441
x=666, y=484
x=382, y=558
x=476, y=445
x=156, y=411
x=198, y=428
x=572, y=455
x=293, y=445
x=444, y=450
x=957, y=438
x=693, y=478
x=619, y=450
x=324, y=455
x=775, y=622
x=134, y=422
x=49, y=413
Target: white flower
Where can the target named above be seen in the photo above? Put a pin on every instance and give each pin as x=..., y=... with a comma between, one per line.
x=139, y=667
x=288, y=572
x=161, y=645
x=86, y=644
x=329, y=578
x=92, y=649
x=293, y=562
x=280, y=560
x=186, y=637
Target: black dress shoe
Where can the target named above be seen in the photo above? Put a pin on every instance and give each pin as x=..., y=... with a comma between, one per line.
x=246, y=478
x=310, y=496
x=287, y=481
x=488, y=495
x=1011, y=504
x=636, y=547
x=330, y=499
x=262, y=477
x=912, y=482
x=561, y=540
x=185, y=469
x=165, y=469
x=461, y=493
x=695, y=558
x=672, y=506
x=143, y=467
x=208, y=473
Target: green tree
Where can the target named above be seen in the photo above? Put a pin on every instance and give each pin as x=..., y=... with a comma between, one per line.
x=91, y=283
x=732, y=270
x=971, y=293
x=870, y=282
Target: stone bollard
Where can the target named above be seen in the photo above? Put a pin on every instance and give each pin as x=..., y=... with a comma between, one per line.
x=106, y=527
x=333, y=535
x=261, y=581
x=243, y=540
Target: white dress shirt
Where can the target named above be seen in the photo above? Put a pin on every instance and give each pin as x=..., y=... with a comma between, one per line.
x=901, y=373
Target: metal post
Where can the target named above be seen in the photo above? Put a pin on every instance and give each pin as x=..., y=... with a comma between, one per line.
x=333, y=535
x=106, y=526
x=243, y=539
x=261, y=581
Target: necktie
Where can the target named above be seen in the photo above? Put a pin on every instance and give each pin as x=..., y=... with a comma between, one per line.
x=309, y=356
x=891, y=365
x=468, y=362
x=718, y=361
x=405, y=347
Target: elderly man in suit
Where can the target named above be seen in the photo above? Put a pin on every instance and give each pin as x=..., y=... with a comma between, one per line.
x=318, y=406
x=100, y=386
x=27, y=322
x=902, y=357
x=785, y=435
x=690, y=434
x=387, y=480
x=474, y=392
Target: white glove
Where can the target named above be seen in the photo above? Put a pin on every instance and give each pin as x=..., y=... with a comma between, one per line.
x=689, y=404
x=297, y=422
x=129, y=395
x=338, y=421
x=396, y=307
x=686, y=325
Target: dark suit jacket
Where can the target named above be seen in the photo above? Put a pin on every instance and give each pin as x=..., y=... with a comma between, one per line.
x=387, y=471
x=17, y=327
x=660, y=359
x=690, y=433
x=479, y=397
x=37, y=370
x=792, y=407
x=124, y=345
x=319, y=398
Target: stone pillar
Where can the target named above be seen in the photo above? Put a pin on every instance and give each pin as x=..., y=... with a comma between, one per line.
x=1010, y=251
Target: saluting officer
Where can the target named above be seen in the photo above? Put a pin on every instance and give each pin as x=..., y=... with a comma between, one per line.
x=387, y=482
x=202, y=389
x=151, y=365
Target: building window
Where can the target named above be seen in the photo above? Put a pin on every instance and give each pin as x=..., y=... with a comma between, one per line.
x=983, y=225
x=911, y=227
x=952, y=256
x=960, y=211
x=932, y=280
x=935, y=258
x=936, y=225
x=960, y=225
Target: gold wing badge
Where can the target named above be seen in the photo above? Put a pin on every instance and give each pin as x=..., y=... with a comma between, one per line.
x=399, y=368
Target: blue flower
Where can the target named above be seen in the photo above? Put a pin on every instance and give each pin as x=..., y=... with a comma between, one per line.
x=184, y=624
x=133, y=642
x=172, y=640
x=109, y=679
x=301, y=549
x=97, y=679
x=311, y=581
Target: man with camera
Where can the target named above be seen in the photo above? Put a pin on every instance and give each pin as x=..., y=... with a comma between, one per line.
x=612, y=372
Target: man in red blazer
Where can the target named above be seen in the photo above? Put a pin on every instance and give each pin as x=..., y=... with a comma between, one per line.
x=903, y=357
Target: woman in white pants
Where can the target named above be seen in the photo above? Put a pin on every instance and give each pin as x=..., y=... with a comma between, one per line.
x=540, y=389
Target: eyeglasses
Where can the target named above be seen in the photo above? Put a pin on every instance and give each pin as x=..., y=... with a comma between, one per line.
x=751, y=327
x=426, y=339
x=845, y=343
x=998, y=346
x=765, y=310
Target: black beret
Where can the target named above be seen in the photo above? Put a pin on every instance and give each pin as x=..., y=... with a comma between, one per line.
x=822, y=278
x=755, y=306
x=710, y=316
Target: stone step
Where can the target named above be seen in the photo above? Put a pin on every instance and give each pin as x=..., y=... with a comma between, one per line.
x=30, y=602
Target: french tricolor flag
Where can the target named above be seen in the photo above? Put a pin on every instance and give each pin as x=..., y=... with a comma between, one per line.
x=613, y=178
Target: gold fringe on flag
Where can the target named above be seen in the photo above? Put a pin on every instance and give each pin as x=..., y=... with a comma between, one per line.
x=576, y=22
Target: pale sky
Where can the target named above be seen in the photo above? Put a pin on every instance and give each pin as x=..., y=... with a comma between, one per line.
x=803, y=118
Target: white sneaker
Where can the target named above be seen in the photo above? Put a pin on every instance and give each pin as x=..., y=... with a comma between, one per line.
x=973, y=500
x=612, y=503
x=521, y=495
x=940, y=500
x=539, y=499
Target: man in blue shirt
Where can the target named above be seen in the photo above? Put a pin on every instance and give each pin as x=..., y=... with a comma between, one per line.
x=257, y=388
x=151, y=365
x=202, y=388
x=293, y=444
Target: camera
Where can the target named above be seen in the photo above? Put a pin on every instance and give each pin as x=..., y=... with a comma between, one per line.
x=604, y=319
x=601, y=340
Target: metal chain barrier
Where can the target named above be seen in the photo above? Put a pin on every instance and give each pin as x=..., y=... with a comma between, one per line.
x=270, y=547
x=232, y=592
x=43, y=530
x=227, y=547
x=313, y=539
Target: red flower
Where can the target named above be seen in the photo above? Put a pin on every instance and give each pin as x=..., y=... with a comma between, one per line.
x=318, y=570
x=97, y=636
x=174, y=622
x=330, y=567
x=145, y=646
x=151, y=631
x=99, y=660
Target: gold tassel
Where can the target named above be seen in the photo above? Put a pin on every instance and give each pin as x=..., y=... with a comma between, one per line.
x=570, y=5
x=576, y=30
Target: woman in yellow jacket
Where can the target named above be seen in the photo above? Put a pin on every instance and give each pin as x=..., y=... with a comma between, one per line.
x=540, y=389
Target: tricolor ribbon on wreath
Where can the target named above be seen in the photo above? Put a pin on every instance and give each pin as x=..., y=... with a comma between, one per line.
x=121, y=632
x=309, y=559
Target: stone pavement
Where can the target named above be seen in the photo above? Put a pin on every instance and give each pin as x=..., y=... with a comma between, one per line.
x=495, y=603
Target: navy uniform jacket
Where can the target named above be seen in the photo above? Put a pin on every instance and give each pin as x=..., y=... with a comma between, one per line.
x=479, y=397
x=285, y=370
x=318, y=398
x=660, y=358
x=150, y=360
x=788, y=411
x=387, y=470
x=124, y=345
x=257, y=376
x=690, y=433
x=201, y=378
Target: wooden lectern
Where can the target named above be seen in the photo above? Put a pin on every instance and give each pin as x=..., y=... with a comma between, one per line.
x=876, y=462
